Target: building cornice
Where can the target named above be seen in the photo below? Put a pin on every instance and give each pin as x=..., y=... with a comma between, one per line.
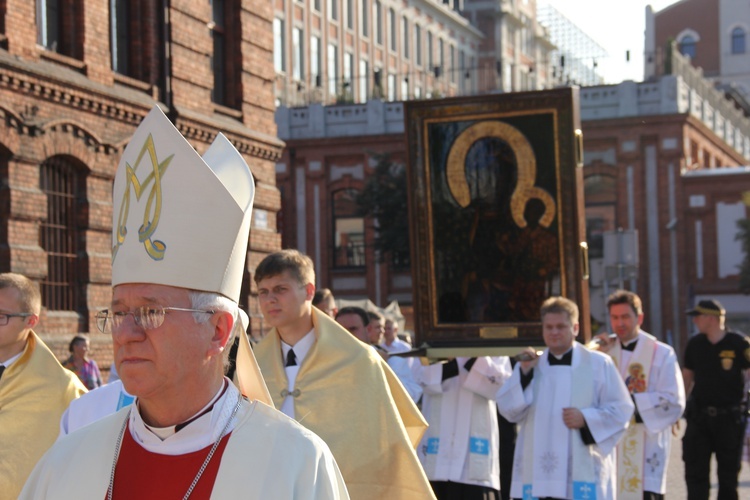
x=60, y=86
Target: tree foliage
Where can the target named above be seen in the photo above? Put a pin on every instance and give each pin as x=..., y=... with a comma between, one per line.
x=384, y=201
x=744, y=236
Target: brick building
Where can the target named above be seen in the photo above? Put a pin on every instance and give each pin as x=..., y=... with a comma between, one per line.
x=76, y=78
x=714, y=33
x=345, y=51
x=650, y=151
x=329, y=155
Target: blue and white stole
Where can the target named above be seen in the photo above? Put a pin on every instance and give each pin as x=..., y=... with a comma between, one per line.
x=547, y=443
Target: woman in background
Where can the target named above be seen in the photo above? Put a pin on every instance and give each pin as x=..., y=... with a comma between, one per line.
x=79, y=362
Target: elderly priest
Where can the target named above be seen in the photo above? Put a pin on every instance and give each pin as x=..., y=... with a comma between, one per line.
x=180, y=232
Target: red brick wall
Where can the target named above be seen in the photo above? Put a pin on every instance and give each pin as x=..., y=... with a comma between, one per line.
x=51, y=105
x=701, y=16
x=336, y=152
x=690, y=135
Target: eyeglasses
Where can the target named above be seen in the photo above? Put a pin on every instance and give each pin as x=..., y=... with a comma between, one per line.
x=5, y=317
x=147, y=317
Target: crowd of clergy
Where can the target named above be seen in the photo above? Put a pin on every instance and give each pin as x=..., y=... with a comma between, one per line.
x=330, y=404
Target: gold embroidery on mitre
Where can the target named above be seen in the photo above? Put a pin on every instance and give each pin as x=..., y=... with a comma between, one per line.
x=525, y=189
x=152, y=211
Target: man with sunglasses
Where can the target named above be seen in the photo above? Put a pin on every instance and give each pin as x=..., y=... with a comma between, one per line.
x=176, y=277
x=34, y=388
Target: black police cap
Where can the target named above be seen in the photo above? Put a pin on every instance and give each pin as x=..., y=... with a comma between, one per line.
x=709, y=307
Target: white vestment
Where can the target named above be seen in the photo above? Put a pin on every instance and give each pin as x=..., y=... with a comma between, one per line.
x=397, y=345
x=660, y=406
x=606, y=415
x=94, y=405
x=268, y=455
x=461, y=443
x=402, y=368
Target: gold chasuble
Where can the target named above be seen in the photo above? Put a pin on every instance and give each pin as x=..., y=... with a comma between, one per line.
x=348, y=395
x=34, y=392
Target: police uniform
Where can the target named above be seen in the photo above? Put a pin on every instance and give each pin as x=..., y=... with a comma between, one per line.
x=715, y=412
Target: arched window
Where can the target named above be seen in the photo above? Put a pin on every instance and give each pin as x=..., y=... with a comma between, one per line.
x=348, y=230
x=738, y=41
x=600, y=193
x=61, y=236
x=687, y=46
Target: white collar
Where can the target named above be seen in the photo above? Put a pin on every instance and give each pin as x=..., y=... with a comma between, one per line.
x=635, y=339
x=301, y=348
x=12, y=359
x=561, y=355
x=198, y=434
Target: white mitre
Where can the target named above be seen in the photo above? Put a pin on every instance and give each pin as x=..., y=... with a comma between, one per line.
x=184, y=221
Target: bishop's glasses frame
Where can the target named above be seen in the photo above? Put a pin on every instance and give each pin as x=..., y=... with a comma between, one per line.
x=146, y=317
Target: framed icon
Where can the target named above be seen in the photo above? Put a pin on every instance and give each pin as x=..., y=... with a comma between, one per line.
x=496, y=215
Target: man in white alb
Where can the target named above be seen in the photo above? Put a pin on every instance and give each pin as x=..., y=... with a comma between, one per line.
x=572, y=407
x=652, y=375
x=391, y=342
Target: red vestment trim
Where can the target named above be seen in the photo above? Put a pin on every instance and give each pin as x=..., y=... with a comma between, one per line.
x=145, y=475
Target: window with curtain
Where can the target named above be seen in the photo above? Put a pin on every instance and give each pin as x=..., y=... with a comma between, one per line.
x=405, y=36
x=418, y=44
x=364, y=18
x=349, y=230
x=279, y=48
x=315, y=61
x=377, y=16
x=364, y=78
x=392, y=28
x=333, y=69
x=298, y=53
x=333, y=9
x=600, y=193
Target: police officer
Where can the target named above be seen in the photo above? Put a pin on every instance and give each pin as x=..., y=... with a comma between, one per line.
x=714, y=381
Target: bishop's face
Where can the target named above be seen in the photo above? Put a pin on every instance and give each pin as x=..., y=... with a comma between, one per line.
x=559, y=332
x=165, y=362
